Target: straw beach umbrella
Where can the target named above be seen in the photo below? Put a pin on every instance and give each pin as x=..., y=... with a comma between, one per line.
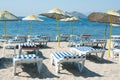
x=31, y=18
x=56, y=13
x=111, y=17
x=71, y=20
x=7, y=16
x=113, y=12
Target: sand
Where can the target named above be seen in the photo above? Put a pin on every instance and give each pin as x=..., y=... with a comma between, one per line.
x=108, y=69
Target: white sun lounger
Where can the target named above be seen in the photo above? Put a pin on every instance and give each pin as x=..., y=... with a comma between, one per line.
x=115, y=52
x=88, y=50
x=28, y=58
x=60, y=57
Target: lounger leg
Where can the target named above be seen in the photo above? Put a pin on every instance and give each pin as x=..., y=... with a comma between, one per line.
x=14, y=50
x=37, y=51
x=97, y=56
x=119, y=57
x=79, y=66
x=4, y=50
x=102, y=55
x=57, y=65
x=39, y=66
x=14, y=67
x=82, y=65
x=52, y=60
x=112, y=54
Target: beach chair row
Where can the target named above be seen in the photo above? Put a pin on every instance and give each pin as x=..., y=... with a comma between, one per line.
x=76, y=57
x=24, y=38
x=57, y=58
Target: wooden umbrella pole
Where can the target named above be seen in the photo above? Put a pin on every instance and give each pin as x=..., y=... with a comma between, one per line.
x=30, y=28
x=110, y=40
x=5, y=29
x=105, y=31
x=58, y=31
x=110, y=37
x=72, y=27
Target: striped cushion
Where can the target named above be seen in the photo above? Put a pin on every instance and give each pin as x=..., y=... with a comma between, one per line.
x=66, y=55
x=27, y=56
x=28, y=45
x=83, y=48
x=101, y=40
x=116, y=41
x=91, y=49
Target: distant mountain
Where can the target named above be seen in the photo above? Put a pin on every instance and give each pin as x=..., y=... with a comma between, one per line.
x=77, y=14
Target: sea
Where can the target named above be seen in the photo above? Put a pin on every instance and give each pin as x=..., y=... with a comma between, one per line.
x=48, y=27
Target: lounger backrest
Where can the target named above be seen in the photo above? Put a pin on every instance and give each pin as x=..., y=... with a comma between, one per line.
x=28, y=45
x=30, y=56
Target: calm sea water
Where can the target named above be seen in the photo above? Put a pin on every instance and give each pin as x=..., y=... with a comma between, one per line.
x=48, y=27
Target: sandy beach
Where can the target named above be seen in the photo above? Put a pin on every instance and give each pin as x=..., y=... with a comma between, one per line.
x=108, y=69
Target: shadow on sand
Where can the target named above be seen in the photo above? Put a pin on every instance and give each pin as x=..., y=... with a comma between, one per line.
x=31, y=69
x=43, y=47
x=5, y=63
x=95, y=59
x=39, y=54
x=74, y=70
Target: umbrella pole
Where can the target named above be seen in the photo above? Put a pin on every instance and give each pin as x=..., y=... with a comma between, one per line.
x=111, y=20
x=72, y=27
x=5, y=29
x=30, y=28
x=58, y=30
x=105, y=32
x=110, y=40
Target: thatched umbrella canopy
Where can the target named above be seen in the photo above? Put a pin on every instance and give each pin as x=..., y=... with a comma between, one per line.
x=71, y=20
x=104, y=18
x=111, y=16
x=7, y=16
x=57, y=14
x=32, y=18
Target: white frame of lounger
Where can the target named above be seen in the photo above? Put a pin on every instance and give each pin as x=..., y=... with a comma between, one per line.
x=9, y=45
x=113, y=51
x=89, y=52
x=28, y=61
x=57, y=62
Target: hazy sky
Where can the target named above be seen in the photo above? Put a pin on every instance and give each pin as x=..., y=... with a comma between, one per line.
x=26, y=7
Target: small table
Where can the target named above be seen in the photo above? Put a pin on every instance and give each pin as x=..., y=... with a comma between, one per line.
x=85, y=36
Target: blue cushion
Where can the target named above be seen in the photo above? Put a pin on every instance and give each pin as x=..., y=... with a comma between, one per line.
x=27, y=44
x=85, y=48
x=67, y=55
x=26, y=56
